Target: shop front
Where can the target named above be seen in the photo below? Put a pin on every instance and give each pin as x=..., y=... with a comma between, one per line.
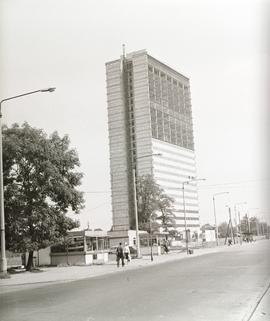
x=81, y=248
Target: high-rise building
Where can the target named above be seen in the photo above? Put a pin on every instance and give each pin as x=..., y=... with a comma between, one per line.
x=149, y=112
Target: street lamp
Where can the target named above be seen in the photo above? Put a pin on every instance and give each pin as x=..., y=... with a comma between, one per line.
x=135, y=203
x=214, y=205
x=191, y=179
x=239, y=230
x=230, y=223
x=3, y=263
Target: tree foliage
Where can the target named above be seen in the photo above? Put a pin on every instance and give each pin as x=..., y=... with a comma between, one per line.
x=222, y=229
x=40, y=181
x=166, y=216
x=154, y=206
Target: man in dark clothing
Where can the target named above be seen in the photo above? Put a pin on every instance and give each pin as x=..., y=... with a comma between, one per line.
x=120, y=255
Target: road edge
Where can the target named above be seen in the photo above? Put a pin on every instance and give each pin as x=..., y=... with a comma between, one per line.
x=256, y=302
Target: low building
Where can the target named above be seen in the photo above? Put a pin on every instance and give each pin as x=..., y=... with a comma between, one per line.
x=208, y=233
x=81, y=247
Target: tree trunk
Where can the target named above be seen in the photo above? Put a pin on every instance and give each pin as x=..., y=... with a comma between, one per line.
x=30, y=262
x=67, y=254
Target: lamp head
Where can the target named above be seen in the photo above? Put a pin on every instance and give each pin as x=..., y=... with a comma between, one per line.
x=51, y=89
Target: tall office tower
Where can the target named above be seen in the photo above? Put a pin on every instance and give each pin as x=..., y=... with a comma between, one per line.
x=149, y=112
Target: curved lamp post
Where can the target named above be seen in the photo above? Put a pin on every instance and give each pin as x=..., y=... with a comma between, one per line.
x=3, y=263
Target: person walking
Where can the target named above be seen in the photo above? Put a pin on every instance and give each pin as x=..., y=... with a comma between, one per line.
x=127, y=252
x=120, y=255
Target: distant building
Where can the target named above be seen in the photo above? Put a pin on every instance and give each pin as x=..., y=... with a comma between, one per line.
x=208, y=233
x=149, y=112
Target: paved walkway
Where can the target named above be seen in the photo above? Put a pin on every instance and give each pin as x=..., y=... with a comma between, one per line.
x=52, y=275
x=262, y=311
x=26, y=280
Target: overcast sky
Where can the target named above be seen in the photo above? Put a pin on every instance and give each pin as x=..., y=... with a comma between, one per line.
x=220, y=45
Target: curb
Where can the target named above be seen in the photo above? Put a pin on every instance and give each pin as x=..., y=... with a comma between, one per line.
x=145, y=263
x=257, y=300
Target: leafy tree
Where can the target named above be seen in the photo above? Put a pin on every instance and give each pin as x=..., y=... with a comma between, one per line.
x=173, y=233
x=153, y=205
x=166, y=216
x=254, y=225
x=147, y=194
x=40, y=180
x=222, y=229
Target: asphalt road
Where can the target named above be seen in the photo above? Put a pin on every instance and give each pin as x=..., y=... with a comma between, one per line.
x=219, y=286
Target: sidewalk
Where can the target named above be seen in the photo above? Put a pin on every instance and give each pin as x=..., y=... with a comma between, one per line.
x=50, y=275
x=262, y=312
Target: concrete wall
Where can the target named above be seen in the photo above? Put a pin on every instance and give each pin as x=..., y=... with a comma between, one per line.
x=71, y=259
x=43, y=256
x=118, y=145
x=146, y=250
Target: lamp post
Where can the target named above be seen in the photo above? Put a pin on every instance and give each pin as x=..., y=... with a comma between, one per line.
x=136, y=213
x=151, y=239
x=239, y=230
x=230, y=222
x=191, y=179
x=215, y=216
x=135, y=203
x=3, y=265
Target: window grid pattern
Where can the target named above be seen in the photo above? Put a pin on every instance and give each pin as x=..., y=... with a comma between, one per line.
x=171, y=118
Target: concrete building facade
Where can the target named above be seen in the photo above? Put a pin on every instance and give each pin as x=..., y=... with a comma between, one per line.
x=149, y=112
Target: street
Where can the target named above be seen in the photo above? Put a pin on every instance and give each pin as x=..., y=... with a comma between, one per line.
x=212, y=287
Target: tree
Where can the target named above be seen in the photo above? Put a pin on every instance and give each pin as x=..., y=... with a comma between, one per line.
x=153, y=205
x=166, y=216
x=222, y=229
x=147, y=194
x=40, y=181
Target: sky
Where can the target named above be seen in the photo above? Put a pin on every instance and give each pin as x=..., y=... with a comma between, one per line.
x=220, y=45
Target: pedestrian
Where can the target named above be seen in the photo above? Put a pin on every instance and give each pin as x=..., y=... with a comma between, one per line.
x=120, y=255
x=127, y=252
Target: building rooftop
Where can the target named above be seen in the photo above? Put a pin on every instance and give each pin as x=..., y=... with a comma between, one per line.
x=144, y=52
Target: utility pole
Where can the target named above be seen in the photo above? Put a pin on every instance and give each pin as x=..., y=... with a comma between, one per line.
x=136, y=214
x=240, y=229
x=215, y=216
x=3, y=261
x=237, y=226
x=151, y=238
x=191, y=179
x=230, y=216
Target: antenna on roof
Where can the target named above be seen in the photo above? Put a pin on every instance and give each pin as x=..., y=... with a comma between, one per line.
x=124, y=50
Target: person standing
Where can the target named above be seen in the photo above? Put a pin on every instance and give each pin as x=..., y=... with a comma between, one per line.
x=120, y=255
x=127, y=252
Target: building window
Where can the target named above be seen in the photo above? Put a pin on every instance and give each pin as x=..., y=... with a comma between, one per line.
x=170, y=104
